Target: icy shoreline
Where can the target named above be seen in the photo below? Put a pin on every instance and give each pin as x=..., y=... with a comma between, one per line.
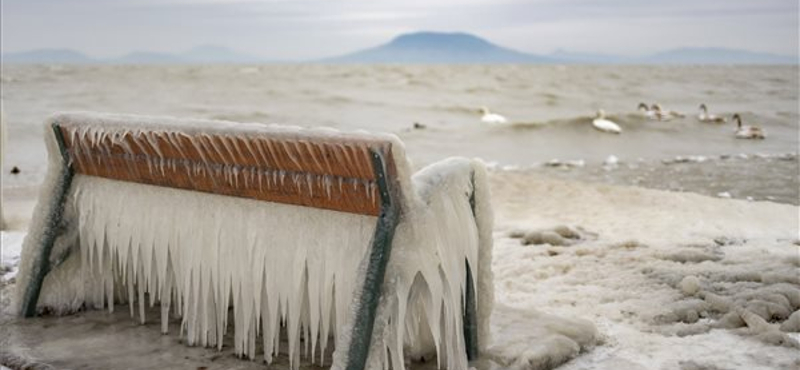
x=770, y=177
x=628, y=281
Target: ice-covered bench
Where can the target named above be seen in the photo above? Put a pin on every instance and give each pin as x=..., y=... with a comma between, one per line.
x=323, y=233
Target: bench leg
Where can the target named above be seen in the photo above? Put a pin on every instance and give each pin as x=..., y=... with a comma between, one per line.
x=470, y=319
x=41, y=266
x=376, y=269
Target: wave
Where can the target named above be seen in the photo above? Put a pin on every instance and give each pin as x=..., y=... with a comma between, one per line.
x=459, y=109
x=636, y=121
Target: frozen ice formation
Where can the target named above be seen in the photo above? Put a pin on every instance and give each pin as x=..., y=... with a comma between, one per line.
x=690, y=285
x=561, y=235
x=262, y=268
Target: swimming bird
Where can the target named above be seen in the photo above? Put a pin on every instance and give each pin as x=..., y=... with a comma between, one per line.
x=705, y=117
x=665, y=114
x=649, y=113
x=747, y=132
x=602, y=124
x=491, y=118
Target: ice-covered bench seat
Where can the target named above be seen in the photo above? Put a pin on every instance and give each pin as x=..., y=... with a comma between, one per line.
x=315, y=233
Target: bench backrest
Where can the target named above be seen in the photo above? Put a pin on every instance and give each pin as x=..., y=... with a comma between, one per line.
x=304, y=168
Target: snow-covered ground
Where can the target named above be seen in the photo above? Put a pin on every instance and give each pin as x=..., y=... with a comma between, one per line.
x=9, y=259
x=669, y=279
x=586, y=277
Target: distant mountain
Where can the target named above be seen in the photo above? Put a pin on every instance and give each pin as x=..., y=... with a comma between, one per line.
x=716, y=56
x=419, y=47
x=208, y=54
x=48, y=56
x=435, y=47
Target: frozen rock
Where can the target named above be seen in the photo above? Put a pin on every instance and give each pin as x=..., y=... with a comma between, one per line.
x=561, y=235
x=529, y=339
x=726, y=240
x=690, y=285
x=717, y=303
x=765, y=332
x=691, y=256
x=776, y=338
x=545, y=237
x=731, y=320
x=792, y=324
x=693, y=365
x=565, y=164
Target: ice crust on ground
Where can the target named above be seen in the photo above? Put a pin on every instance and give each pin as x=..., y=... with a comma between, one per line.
x=601, y=281
x=672, y=281
x=561, y=235
x=274, y=265
x=527, y=338
x=9, y=259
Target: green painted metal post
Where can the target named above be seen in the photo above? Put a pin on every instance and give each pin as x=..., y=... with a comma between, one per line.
x=470, y=321
x=376, y=268
x=41, y=266
x=470, y=318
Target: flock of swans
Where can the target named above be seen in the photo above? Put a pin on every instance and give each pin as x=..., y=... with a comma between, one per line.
x=652, y=112
x=656, y=112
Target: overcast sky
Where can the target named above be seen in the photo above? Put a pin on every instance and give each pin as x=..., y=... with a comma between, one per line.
x=302, y=29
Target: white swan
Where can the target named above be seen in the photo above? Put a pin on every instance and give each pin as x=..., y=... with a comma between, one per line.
x=602, y=124
x=705, y=117
x=665, y=114
x=649, y=113
x=747, y=132
x=491, y=118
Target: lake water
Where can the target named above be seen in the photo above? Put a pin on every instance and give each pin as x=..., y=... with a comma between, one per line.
x=549, y=109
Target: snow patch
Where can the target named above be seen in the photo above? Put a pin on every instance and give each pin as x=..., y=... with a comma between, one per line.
x=529, y=339
x=11, y=249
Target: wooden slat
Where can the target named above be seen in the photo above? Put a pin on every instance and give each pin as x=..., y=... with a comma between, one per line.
x=320, y=172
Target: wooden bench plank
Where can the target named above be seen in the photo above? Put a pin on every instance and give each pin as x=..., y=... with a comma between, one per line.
x=315, y=171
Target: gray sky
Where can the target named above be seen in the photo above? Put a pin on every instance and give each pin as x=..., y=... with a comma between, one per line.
x=301, y=29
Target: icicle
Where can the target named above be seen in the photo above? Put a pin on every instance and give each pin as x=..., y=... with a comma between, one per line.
x=166, y=242
x=152, y=139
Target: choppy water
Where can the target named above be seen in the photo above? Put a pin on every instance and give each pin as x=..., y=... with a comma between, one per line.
x=550, y=107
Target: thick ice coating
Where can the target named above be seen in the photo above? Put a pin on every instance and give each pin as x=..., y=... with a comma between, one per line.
x=267, y=266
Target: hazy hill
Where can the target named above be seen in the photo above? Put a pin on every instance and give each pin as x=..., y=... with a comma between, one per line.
x=716, y=56
x=419, y=47
x=48, y=56
x=434, y=47
x=207, y=54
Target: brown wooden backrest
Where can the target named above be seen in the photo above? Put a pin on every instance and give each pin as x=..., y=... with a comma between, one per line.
x=306, y=168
